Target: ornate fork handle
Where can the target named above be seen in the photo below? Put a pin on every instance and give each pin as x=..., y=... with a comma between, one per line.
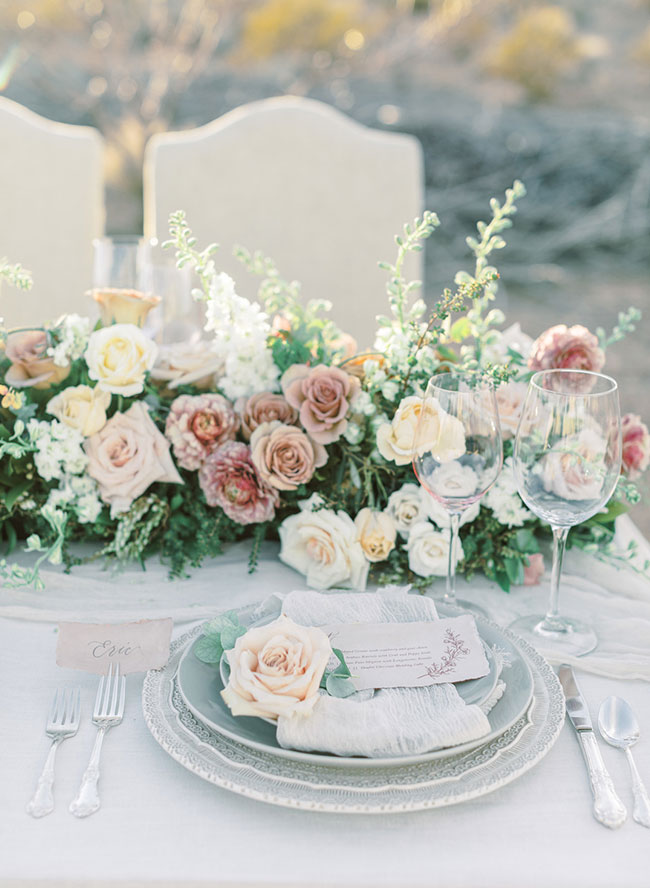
x=608, y=808
x=641, y=812
x=87, y=800
x=42, y=802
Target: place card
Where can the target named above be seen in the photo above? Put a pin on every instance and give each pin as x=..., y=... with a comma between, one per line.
x=411, y=655
x=93, y=647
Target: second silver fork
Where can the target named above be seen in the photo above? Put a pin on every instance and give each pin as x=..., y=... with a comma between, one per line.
x=62, y=722
x=108, y=711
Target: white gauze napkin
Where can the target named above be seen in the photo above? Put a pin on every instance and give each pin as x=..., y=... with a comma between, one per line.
x=387, y=722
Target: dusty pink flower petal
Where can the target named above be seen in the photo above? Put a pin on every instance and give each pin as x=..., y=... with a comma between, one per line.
x=566, y=348
x=534, y=572
x=264, y=407
x=285, y=456
x=197, y=425
x=30, y=364
x=229, y=479
x=127, y=456
x=636, y=445
x=323, y=396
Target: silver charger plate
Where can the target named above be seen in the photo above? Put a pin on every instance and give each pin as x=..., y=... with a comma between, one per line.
x=200, y=684
x=375, y=789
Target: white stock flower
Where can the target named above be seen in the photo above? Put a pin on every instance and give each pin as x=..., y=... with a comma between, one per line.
x=58, y=449
x=80, y=495
x=324, y=546
x=428, y=550
x=513, y=337
x=73, y=332
x=407, y=507
x=241, y=330
x=276, y=670
x=504, y=500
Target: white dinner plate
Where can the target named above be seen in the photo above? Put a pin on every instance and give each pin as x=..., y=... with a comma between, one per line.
x=200, y=684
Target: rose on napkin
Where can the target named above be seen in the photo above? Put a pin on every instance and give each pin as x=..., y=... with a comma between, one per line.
x=276, y=670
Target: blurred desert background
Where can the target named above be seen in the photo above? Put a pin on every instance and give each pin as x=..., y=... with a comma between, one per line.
x=555, y=94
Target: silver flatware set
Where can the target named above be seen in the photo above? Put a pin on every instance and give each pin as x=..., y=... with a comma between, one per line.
x=63, y=722
x=618, y=727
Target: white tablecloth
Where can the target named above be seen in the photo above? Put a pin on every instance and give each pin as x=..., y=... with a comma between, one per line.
x=160, y=825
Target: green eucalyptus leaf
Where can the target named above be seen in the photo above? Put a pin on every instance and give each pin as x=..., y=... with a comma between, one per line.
x=339, y=686
x=230, y=635
x=209, y=650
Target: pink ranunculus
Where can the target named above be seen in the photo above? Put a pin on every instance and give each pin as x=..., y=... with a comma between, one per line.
x=636, y=445
x=566, y=348
x=510, y=400
x=30, y=364
x=199, y=424
x=127, y=456
x=322, y=395
x=229, y=479
x=264, y=407
x=534, y=572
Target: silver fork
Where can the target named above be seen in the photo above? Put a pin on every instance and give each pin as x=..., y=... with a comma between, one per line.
x=62, y=722
x=109, y=710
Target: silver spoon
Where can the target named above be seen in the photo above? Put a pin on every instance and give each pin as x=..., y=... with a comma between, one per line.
x=619, y=727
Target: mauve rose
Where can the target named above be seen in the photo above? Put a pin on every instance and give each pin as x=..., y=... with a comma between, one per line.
x=566, y=348
x=127, y=456
x=285, y=456
x=323, y=396
x=30, y=364
x=264, y=407
x=534, y=571
x=229, y=479
x=197, y=425
x=636, y=445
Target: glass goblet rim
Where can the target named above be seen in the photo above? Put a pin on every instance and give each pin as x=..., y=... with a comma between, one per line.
x=486, y=383
x=559, y=371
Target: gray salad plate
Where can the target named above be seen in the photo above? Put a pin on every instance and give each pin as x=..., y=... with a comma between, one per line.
x=200, y=685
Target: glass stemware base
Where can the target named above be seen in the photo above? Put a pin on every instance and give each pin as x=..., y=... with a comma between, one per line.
x=556, y=636
x=461, y=604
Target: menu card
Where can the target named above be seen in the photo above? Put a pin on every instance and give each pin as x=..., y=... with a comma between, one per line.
x=411, y=655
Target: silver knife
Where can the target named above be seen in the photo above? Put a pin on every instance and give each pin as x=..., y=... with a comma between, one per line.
x=608, y=808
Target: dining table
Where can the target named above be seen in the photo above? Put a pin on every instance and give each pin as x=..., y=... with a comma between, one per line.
x=161, y=824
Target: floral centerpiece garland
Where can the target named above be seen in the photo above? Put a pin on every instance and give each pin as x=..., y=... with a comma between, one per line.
x=278, y=427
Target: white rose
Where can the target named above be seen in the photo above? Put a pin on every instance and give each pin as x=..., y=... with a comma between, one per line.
x=377, y=534
x=428, y=550
x=323, y=546
x=276, y=670
x=511, y=338
x=453, y=480
x=118, y=358
x=439, y=434
x=441, y=517
x=510, y=400
x=407, y=507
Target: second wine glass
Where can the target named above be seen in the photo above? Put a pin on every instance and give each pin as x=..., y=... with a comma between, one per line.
x=457, y=452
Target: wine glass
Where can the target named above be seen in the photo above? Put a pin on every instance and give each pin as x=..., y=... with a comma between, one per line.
x=567, y=460
x=457, y=452
x=121, y=277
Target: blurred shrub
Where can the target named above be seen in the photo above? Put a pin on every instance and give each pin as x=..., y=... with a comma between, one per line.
x=282, y=25
x=540, y=48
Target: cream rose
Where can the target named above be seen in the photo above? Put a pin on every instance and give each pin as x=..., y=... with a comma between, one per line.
x=428, y=550
x=127, y=456
x=440, y=434
x=276, y=670
x=187, y=363
x=118, y=306
x=118, y=358
x=377, y=534
x=453, y=480
x=81, y=407
x=323, y=546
